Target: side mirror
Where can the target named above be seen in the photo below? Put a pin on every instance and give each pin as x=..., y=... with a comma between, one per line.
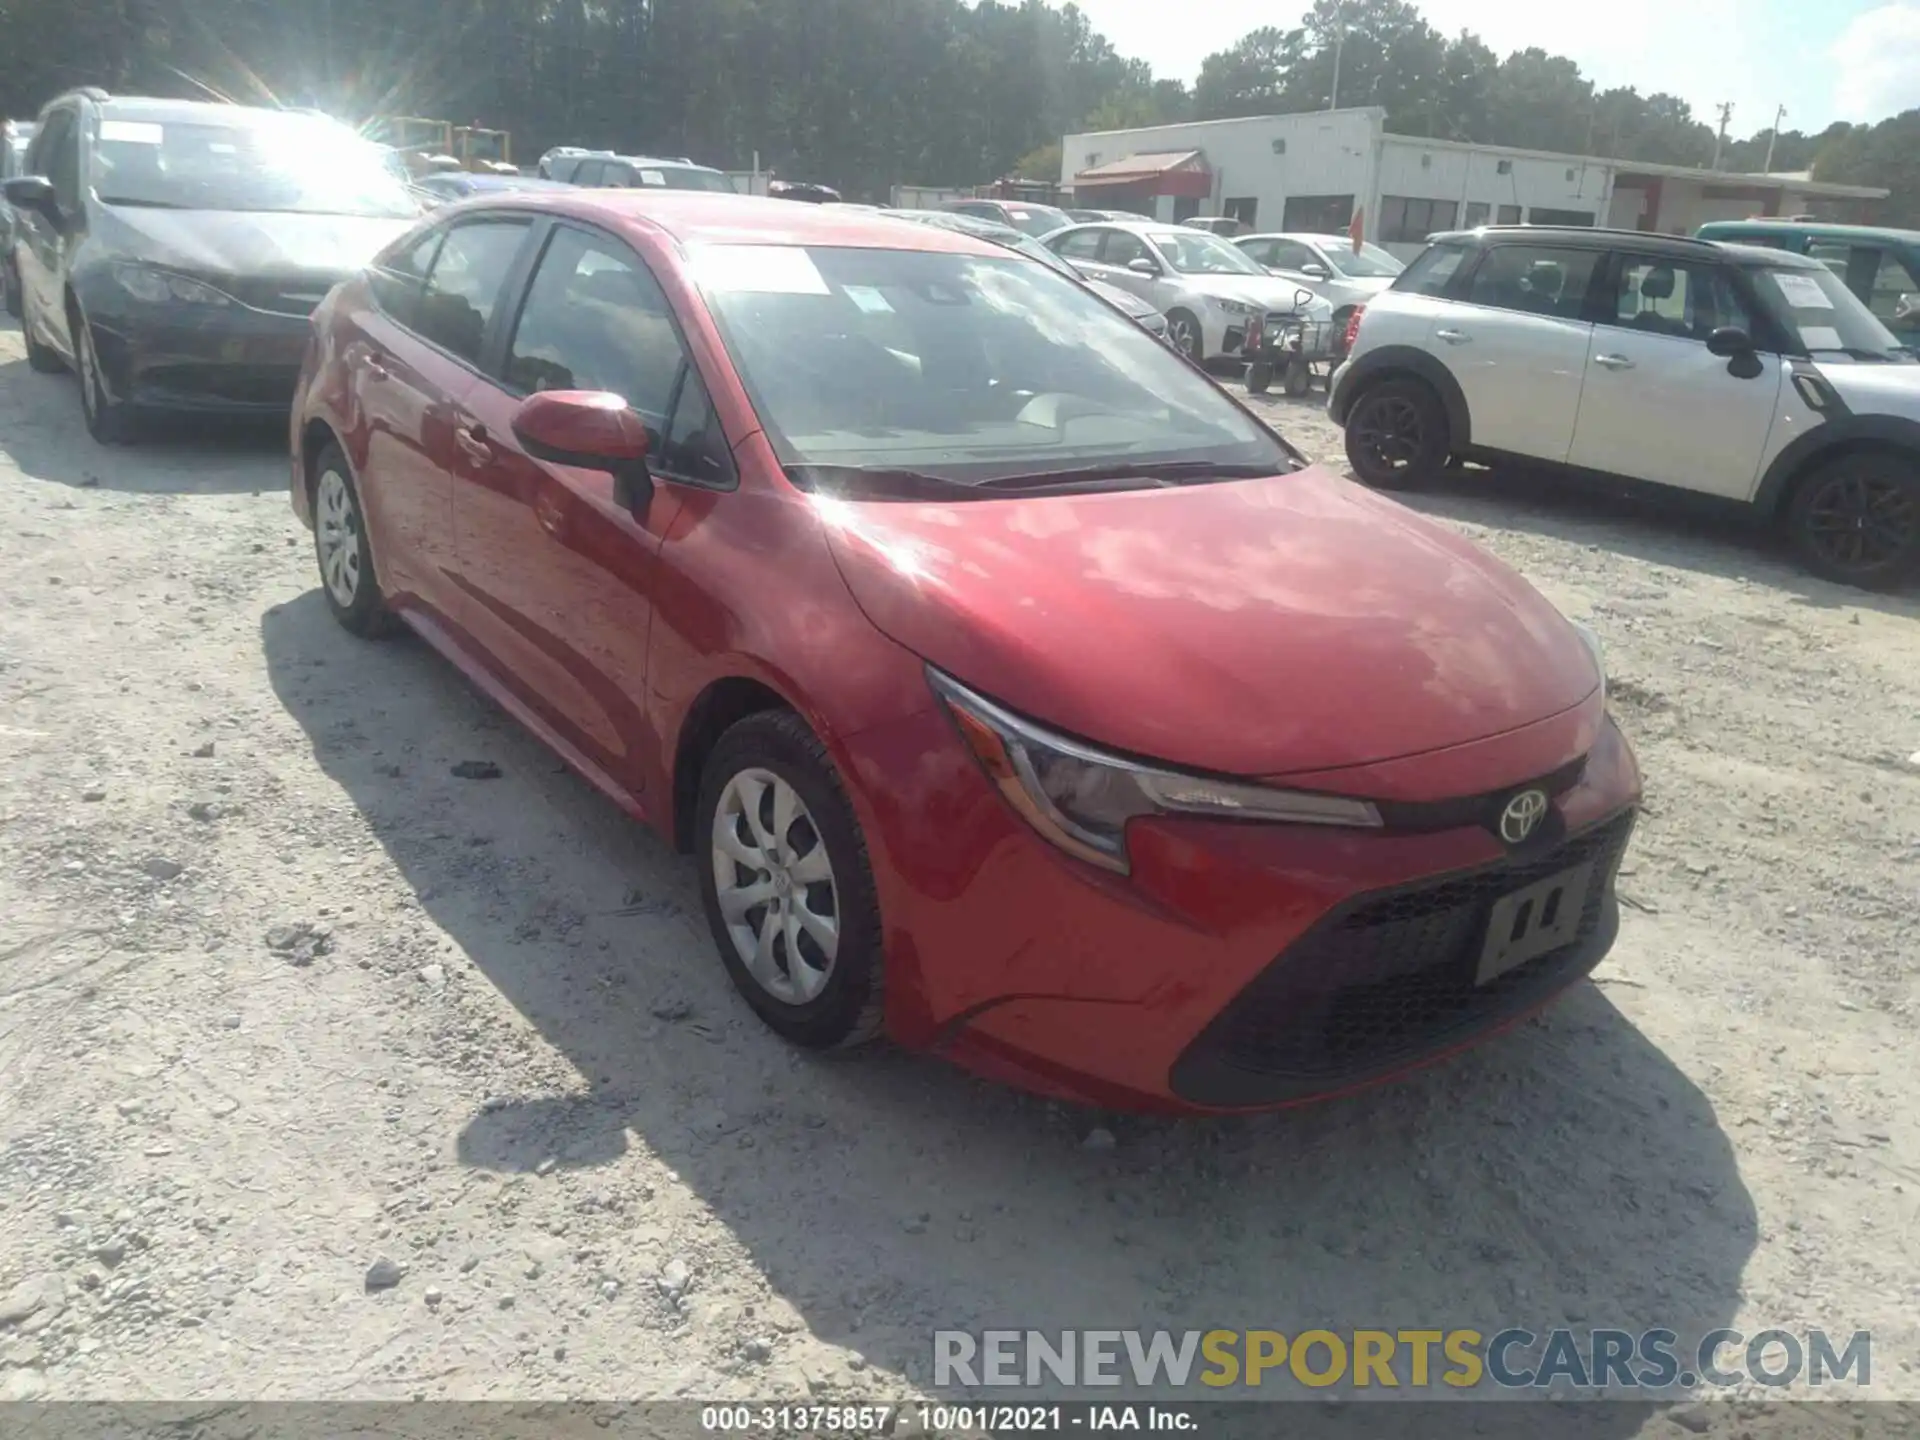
x=1729, y=341
x=35, y=193
x=1314, y=270
x=1141, y=265
x=590, y=430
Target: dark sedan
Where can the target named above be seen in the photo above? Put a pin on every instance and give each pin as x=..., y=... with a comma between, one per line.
x=172, y=252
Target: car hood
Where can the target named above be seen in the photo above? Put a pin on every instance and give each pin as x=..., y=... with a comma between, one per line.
x=1256, y=627
x=1267, y=291
x=1875, y=389
x=217, y=243
x=1125, y=300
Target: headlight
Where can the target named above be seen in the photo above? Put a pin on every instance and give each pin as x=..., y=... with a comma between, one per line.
x=1081, y=799
x=1595, y=649
x=157, y=287
x=1237, y=307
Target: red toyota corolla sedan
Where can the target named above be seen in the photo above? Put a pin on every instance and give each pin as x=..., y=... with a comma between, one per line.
x=1019, y=694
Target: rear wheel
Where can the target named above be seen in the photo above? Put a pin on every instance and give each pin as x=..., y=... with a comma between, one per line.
x=1299, y=378
x=787, y=884
x=1856, y=520
x=1397, y=435
x=1259, y=377
x=343, y=551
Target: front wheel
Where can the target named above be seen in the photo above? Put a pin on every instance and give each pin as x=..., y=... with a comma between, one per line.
x=10, y=278
x=1183, y=330
x=343, y=551
x=1259, y=377
x=1397, y=435
x=787, y=884
x=1856, y=520
x=109, y=421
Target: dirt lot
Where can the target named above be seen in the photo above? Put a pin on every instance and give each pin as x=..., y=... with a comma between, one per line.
x=281, y=997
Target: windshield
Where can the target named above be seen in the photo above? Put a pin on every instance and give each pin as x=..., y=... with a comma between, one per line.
x=961, y=369
x=1816, y=308
x=1372, y=263
x=262, y=162
x=1037, y=220
x=1195, y=252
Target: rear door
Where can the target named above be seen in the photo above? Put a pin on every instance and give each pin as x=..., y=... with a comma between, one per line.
x=1657, y=405
x=559, y=572
x=41, y=245
x=416, y=357
x=1516, y=340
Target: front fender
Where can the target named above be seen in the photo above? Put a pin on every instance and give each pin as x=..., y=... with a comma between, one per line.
x=1373, y=366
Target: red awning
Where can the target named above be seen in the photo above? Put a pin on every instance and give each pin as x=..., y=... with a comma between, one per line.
x=1163, y=172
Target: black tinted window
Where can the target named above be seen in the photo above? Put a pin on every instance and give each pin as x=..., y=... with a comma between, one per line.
x=1685, y=301
x=1536, y=279
x=695, y=447
x=465, y=283
x=395, y=281
x=56, y=155
x=595, y=319
x=1432, y=270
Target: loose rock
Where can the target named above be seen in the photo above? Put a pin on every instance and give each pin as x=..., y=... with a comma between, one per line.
x=160, y=868
x=1099, y=1138
x=476, y=770
x=384, y=1274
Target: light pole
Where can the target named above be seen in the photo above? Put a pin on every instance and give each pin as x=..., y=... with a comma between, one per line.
x=1773, y=135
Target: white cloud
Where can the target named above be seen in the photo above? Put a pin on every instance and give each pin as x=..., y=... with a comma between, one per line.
x=1877, y=63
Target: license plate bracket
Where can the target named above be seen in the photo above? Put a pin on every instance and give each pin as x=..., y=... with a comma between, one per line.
x=1529, y=923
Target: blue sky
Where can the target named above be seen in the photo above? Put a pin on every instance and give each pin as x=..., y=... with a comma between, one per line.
x=1825, y=60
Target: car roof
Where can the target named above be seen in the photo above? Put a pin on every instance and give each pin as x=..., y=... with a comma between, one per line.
x=1587, y=237
x=675, y=161
x=1138, y=227
x=699, y=217
x=1733, y=229
x=155, y=110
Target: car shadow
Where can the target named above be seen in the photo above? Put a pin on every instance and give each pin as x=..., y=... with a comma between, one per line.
x=44, y=434
x=1567, y=1173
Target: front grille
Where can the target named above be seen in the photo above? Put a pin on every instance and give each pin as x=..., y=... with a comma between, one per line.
x=251, y=384
x=1389, y=979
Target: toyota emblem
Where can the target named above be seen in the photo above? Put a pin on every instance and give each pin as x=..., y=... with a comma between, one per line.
x=1522, y=816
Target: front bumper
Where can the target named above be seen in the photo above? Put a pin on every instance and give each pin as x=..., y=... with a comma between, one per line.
x=234, y=360
x=1239, y=966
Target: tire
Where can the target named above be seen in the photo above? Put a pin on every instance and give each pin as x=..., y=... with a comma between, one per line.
x=1259, y=377
x=343, y=551
x=109, y=421
x=1856, y=520
x=835, y=1005
x=1299, y=378
x=1186, y=336
x=1397, y=435
x=41, y=357
x=10, y=277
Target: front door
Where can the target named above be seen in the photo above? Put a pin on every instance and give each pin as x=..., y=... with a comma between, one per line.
x=1657, y=404
x=558, y=570
x=1517, y=345
x=44, y=244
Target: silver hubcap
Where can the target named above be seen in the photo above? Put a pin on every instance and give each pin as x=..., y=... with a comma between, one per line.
x=1183, y=336
x=775, y=886
x=337, y=533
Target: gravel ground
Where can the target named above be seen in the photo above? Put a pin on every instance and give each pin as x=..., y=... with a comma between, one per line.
x=327, y=1074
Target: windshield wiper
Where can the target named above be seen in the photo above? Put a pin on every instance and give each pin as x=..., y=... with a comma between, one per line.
x=143, y=204
x=882, y=483
x=1163, y=472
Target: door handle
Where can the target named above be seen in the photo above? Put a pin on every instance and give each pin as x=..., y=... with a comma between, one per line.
x=376, y=370
x=472, y=440
x=1613, y=362
x=1453, y=337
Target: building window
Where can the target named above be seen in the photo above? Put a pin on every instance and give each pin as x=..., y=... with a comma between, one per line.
x=1538, y=216
x=1509, y=215
x=1405, y=220
x=1317, y=214
x=1477, y=213
x=1243, y=210
x=1184, y=208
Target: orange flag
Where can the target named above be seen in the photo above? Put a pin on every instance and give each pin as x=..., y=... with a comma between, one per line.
x=1355, y=230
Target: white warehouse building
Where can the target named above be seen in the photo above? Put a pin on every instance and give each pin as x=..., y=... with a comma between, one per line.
x=1310, y=172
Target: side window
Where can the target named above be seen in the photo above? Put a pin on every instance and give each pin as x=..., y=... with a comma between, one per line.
x=1291, y=255
x=1536, y=279
x=694, y=448
x=56, y=155
x=1260, y=251
x=1834, y=254
x=596, y=319
x=396, y=281
x=1682, y=300
x=983, y=212
x=1896, y=290
x=588, y=172
x=1124, y=247
x=1080, y=245
x=463, y=288
x=1432, y=271
x=617, y=177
